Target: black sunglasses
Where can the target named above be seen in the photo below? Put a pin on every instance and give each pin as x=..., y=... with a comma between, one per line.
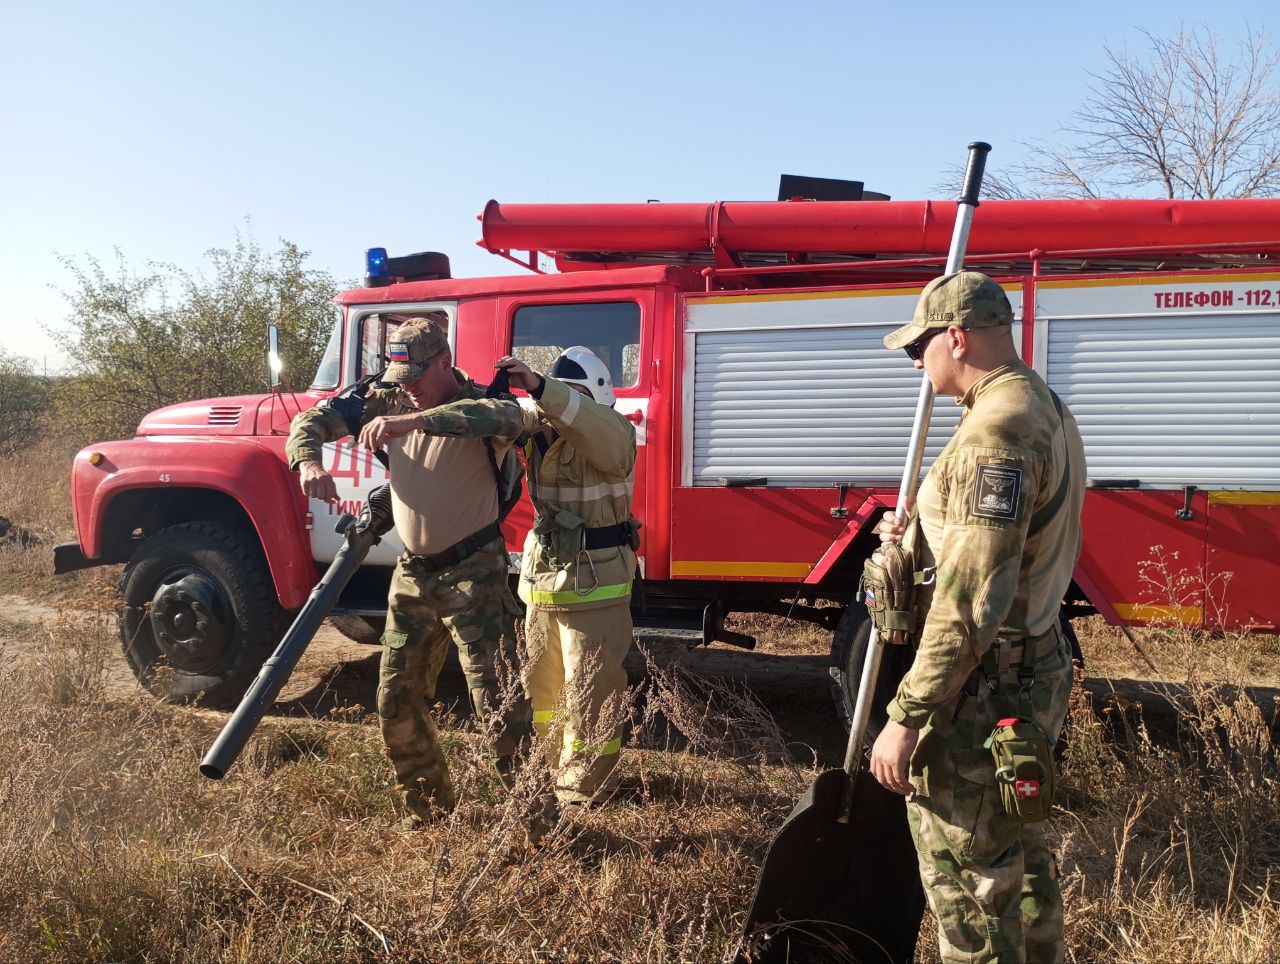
x=915, y=350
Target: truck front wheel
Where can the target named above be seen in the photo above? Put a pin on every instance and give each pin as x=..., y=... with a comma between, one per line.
x=848, y=650
x=200, y=613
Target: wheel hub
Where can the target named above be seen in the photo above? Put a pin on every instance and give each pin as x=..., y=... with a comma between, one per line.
x=192, y=622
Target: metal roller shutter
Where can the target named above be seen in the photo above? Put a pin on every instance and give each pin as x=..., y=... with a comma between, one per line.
x=806, y=406
x=1192, y=400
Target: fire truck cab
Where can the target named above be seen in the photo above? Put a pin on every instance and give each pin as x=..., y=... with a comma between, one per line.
x=744, y=343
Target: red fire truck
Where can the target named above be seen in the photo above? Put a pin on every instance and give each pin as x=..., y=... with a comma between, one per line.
x=744, y=339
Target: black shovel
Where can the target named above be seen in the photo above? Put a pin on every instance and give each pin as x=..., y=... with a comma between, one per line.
x=840, y=881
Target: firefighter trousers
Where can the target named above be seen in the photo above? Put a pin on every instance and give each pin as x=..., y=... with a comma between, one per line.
x=577, y=686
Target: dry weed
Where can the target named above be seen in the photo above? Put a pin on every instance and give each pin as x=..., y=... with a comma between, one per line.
x=780, y=635
x=1168, y=846
x=114, y=848
x=118, y=849
x=35, y=495
x=35, y=488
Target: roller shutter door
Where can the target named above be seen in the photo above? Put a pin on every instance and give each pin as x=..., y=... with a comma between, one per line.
x=1191, y=400
x=805, y=407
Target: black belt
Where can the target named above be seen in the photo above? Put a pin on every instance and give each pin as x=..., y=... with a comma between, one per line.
x=593, y=537
x=460, y=550
x=1016, y=653
x=606, y=537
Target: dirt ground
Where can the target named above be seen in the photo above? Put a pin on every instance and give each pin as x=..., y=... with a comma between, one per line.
x=788, y=674
x=338, y=673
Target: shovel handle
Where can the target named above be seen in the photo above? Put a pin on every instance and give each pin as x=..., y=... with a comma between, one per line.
x=974, y=171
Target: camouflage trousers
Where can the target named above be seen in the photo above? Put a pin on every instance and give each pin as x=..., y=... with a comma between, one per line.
x=470, y=603
x=991, y=881
x=575, y=678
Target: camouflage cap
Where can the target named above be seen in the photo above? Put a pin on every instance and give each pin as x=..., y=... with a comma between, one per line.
x=411, y=346
x=966, y=299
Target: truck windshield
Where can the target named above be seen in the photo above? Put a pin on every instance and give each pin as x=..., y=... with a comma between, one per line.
x=330, y=371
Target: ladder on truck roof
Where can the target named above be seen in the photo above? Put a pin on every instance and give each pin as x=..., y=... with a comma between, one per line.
x=798, y=243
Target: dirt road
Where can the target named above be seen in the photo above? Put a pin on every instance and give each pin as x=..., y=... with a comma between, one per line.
x=338, y=673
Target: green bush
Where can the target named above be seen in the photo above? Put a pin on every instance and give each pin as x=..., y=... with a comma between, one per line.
x=24, y=401
x=138, y=341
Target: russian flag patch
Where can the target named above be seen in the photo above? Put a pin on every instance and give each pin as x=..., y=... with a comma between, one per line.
x=399, y=351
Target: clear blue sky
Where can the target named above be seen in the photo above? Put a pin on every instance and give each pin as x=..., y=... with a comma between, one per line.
x=158, y=127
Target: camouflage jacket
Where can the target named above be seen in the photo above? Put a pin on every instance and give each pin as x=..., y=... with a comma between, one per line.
x=469, y=415
x=443, y=482
x=997, y=575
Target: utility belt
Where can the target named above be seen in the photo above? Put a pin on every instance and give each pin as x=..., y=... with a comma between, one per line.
x=1026, y=771
x=1019, y=654
x=460, y=550
x=590, y=537
x=606, y=537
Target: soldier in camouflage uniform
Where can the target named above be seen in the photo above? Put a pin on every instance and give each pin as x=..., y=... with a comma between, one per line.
x=451, y=582
x=999, y=517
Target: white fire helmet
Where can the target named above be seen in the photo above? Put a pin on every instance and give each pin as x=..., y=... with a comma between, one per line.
x=581, y=366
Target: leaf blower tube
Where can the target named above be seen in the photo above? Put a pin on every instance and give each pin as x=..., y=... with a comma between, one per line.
x=361, y=535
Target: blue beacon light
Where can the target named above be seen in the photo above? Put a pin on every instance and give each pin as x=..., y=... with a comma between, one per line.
x=375, y=261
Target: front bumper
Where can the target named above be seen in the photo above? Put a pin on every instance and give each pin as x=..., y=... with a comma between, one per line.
x=69, y=558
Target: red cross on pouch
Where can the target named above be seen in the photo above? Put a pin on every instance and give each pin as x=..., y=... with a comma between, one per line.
x=1027, y=788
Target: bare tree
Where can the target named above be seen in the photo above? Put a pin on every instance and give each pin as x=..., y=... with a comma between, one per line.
x=1186, y=120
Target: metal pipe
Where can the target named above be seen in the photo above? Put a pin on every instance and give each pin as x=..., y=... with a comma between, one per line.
x=905, y=227
x=906, y=490
x=1257, y=250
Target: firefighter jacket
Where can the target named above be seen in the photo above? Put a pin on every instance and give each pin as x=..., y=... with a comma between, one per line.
x=1000, y=517
x=580, y=458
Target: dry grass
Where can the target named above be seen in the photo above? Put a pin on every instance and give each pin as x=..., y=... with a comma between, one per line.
x=35, y=493
x=1170, y=846
x=780, y=635
x=35, y=489
x=1168, y=850
x=114, y=848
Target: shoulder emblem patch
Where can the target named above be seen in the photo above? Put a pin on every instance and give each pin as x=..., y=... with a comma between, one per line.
x=996, y=491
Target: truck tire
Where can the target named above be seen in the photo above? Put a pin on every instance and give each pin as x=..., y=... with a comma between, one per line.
x=200, y=614
x=1077, y=657
x=360, y=629
x=848, y=650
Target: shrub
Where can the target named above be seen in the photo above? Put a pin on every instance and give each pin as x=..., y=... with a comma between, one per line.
x=140, y=341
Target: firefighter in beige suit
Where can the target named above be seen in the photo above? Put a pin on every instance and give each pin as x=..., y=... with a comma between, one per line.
x=579, y=562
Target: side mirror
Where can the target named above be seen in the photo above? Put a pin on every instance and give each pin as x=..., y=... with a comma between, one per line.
x=274, y=365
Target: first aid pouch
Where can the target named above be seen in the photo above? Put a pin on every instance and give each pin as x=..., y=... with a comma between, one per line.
x=1025, y=769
